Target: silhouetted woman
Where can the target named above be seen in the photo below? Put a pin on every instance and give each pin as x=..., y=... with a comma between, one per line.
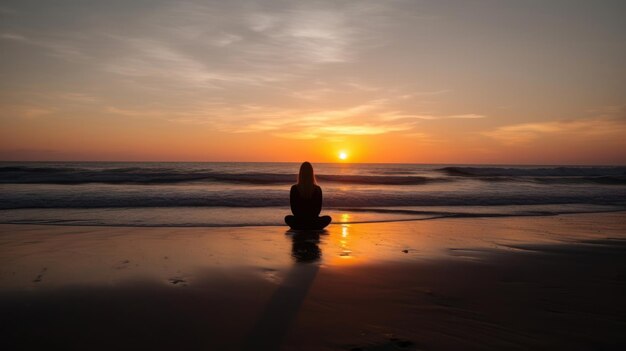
x=306, y=202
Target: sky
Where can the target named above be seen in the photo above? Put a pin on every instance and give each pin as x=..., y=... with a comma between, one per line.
x=471, y=81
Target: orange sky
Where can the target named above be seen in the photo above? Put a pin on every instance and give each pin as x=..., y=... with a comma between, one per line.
x=396, y=81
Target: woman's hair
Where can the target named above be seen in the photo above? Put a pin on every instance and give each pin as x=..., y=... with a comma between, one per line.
x=306, y=180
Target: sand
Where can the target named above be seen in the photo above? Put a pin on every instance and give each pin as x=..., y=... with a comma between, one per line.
x=555, y=282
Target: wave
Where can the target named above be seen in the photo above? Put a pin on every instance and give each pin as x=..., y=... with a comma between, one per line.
x=138, y=175
x=545, y=175
x=72, y=175
x=535, y=172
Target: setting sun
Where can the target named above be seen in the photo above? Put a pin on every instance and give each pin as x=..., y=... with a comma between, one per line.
x=343, y=155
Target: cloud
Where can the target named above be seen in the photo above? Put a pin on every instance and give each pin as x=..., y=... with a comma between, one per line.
x=305, y=35
x=362, y=119
x=289, y=69
x=398, y=115
x=368, y=118
x=199, y=44
x=466, y=116
x=64, y=48
x=12, y=36
x=612, y=120
x=26, y=111
x=74, y=97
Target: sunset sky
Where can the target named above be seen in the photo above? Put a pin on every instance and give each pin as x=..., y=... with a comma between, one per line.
x=513, y=82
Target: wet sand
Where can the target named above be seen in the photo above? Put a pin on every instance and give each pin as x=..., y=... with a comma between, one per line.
x=482, y=283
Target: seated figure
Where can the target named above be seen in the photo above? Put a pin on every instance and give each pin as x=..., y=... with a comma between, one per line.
x=306, y=202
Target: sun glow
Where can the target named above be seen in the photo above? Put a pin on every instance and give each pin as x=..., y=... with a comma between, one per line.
x=343, y=155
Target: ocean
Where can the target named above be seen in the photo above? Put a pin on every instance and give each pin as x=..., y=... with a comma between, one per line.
x=199, y=194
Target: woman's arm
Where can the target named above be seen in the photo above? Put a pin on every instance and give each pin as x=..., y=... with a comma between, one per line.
x=293, y=201
x=317, y=201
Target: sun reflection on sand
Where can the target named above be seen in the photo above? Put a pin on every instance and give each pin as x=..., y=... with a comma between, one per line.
x=345, y=217
x=344, y=242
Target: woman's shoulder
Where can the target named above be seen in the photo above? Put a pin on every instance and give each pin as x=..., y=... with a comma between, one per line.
x=315, y=187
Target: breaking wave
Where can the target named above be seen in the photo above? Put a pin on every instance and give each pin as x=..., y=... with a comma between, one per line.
x=546, y=175
x=137, y=175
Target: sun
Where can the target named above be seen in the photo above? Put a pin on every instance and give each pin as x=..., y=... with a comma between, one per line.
x=343, y=155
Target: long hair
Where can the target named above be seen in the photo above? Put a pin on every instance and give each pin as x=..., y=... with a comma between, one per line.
x=306, y=180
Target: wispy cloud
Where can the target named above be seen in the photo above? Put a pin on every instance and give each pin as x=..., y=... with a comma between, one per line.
x=240, y=68
x=203, y=42
x=612, y=120
x=27, y=111
x=63, y=48
x=398, y=115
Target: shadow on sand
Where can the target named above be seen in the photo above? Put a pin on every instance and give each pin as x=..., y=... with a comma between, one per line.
x=284, y=305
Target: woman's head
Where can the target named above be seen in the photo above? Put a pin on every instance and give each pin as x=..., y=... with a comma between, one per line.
x=306, y=179
x=306, y=176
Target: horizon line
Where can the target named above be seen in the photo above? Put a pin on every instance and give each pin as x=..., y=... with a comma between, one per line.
x=343, y=162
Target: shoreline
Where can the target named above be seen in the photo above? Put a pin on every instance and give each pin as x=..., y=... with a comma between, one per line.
x=470, y=283
x=282, y=225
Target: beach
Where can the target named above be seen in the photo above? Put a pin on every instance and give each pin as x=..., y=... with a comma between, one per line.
x=519, y=282
x=460, y=161
x=355, y=175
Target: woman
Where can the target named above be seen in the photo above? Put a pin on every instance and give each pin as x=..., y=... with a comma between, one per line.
x=306, y=202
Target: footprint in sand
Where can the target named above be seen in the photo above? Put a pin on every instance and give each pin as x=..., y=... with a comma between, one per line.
x=178, y=281
x=40, y=275
x=122, y=265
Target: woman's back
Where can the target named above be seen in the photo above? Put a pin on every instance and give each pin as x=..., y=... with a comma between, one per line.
x=305, y=206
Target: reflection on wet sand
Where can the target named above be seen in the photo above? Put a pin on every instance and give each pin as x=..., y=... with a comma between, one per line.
x=343, y=242
x=304, y=247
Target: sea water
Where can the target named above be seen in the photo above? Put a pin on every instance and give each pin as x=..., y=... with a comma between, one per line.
x=254, y=194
